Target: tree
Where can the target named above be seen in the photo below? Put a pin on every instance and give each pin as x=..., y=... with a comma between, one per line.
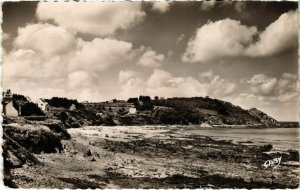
x=132, y=100
x=156, y=98
x=63, y=102
x=145, y=98
x=19, y=97
x=30, y=108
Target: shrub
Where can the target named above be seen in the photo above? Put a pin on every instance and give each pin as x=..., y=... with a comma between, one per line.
x=30, y=108
x=63, y=102
x=132, y=100
x=19, y=97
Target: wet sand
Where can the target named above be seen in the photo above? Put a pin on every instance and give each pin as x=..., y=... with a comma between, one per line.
x=157, y=157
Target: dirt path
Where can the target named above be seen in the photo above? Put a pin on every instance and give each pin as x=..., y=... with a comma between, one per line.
x=156, y=157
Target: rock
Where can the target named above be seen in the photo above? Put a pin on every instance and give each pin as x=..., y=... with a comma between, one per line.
x=266, y=148
x=88, y=153
x=264, y=118
x=93, y=159
x=294, y=154
x=205, y=125
x=96, y=154
x=14, y=156
x=34, y=137
x=13, y=159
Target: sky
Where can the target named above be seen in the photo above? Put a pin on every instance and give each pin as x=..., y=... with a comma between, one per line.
x=242, y=52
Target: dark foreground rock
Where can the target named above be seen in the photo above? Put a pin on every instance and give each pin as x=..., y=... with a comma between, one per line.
x=34, y=138
x=14, y=156
x=23, y=138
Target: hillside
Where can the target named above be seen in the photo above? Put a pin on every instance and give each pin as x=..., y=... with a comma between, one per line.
x=146, y=111
x=185, y=111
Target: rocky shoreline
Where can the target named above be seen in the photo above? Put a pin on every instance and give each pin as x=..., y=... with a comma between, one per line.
x=153, y=157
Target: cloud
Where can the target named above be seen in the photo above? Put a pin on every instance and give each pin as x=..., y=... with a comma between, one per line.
x=151, y=59
x=215, y=85
x=134, y=87
x=58, y=60
x=279, y=36
x=262, y=84
x=159, y=78
x=282, y=111
x=215, y=40
x=79, y=79
x=125, y=75
x=283, y=88
x=100, y=19
x=5, y=36
x=277, y=96
x=161, y=6
x=287, y=87
x=70, y=65
x=164, y=84
x=99, y=54
x=44, y=39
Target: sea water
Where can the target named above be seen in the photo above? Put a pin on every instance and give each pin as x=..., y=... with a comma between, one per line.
x=280, y=138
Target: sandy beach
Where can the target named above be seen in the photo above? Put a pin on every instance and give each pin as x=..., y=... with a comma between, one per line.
x=157, y=157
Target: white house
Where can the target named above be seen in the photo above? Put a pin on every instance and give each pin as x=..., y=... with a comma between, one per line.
x=10, y=110
x=7, y=94
x=72, y=107
x=132, y=111
x=42, y=104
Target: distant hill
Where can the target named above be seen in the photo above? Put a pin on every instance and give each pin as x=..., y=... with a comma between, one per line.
x=184, y=111
x=147, y=111
x=197, y=110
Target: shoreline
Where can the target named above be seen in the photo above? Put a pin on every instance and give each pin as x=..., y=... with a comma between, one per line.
x=150, y=157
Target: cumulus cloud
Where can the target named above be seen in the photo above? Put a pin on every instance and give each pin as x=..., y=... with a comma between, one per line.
x=151, y=58
x=281, y=89
x=49, y=57
x=215, y=40
x=215, y=85
x=125, y=75
x=164, y=84
x=100, y=54
x=262, y=84
x=100, y=19
x=279, y=36
x=161, y=6
x=44, y=39
x=134, y=87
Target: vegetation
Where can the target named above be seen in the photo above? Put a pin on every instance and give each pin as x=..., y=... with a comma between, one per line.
x=29, y=109
x=63, y=102
x=19, y=97
x=142, y=103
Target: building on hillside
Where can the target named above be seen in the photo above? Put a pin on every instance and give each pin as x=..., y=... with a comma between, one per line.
x=42, y=104
x=72, y=107
x=7, y=94
x=10, y=110
x=132, y=111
